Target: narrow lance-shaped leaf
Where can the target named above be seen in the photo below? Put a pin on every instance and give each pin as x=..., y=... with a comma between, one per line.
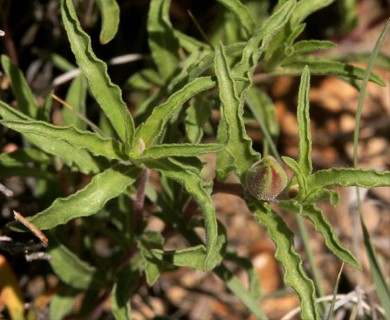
x=307, y=7
x=345, y=177
x=14, y=164
x=26, y=100
x=61, y=304
x=161, y=38
x=76, y=97
x=263, y=110
x=194, y=257
x=127, y=280
x=153, y=127
x=303, y=117
x=239, y=145
x=301, y=177
x=235, y=285
x=191, y=181
x=70, y=155
x=225, y=161
x=79, y=139
x=257, y=44
x=56, y=59
x=153, y=266
x=189, y=43
x=306, y=46
x=179, y=150
x=71, y=270
x=109, y=10
x=144, y=80
x=23, y=155
x=200, y=66
x=87, y=201
x=24, y=171
x=197, y=115
x=321, y=66
x=322, y=225
x=254, y=286
x=241, y=11
x=250, y=299
x=105, y=92
x=294, y=274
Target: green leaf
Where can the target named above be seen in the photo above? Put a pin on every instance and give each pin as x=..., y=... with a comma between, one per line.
x=76, y=97
x=226, y=27
x=44, y=113
x=264, y=112
x=189, y=43
x=241, y=12
x=105, y=92
x=70, y=155
x=308, y=46
x=193, y=257
x=144, y=80
x=301, y=177
x=87, y=201
x=238, y=145
x=189, y=69
x=179, y=150
x=153, y=127
x=294, y=274
x=15, y=164
x=61, y=304
x=73, y=271
x=57, y=60
x=109, y=10
x=200, y=66
x=305, y=8
x=235, y=285
x=258, y=44
x=345, y=177
x=25, y=98
x=317, y=194
x=225, y=161
x=323, y=226
x=153, y=266
x=253, y=278
x=303, y=117
x=161, y=38
x=171, y=217
x=126, y=282
x=78, y=139
x=189, y=178
x=197, y=115
x=320, y=67
x=23, y=171
x=23, y=155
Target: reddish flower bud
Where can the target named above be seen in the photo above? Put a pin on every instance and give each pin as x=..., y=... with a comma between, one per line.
x=266, y=179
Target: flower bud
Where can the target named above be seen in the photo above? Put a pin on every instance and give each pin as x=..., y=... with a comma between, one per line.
x=266, y=179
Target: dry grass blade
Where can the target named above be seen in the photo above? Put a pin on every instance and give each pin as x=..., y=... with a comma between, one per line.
x=32, y=228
